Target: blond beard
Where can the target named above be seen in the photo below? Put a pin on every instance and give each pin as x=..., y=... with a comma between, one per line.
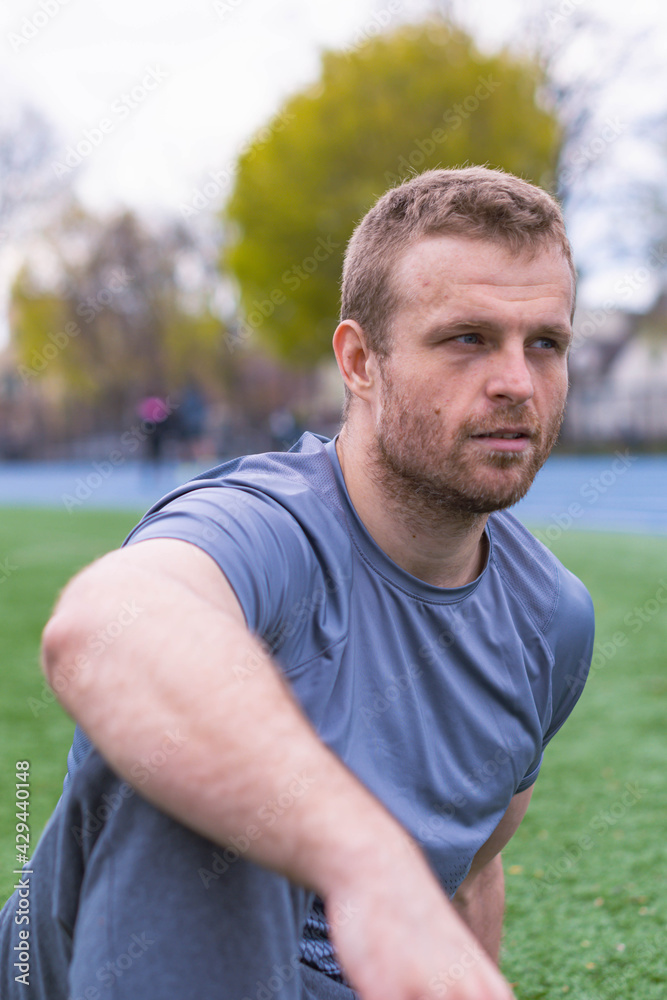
x=409, y=464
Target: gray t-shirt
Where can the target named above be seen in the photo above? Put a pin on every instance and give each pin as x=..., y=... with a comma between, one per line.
x=440, y=700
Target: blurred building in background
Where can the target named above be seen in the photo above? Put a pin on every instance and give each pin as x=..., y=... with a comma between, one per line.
x=618, y=379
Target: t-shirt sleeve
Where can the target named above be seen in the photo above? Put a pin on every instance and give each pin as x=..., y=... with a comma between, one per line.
x=258, y=545
x=570, y=635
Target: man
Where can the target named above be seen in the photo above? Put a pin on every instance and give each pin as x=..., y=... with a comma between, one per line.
x=338, y=667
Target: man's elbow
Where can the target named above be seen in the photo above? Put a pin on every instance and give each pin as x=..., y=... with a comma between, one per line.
x=52, y=644
x=59, y=656
x=66, y=645
x=65, y=650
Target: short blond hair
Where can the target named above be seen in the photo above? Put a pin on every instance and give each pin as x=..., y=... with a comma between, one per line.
x=475, y=202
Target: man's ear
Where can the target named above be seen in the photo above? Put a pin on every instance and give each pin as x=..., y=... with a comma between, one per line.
x=357, y=363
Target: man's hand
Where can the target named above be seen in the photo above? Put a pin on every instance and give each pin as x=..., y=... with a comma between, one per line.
x=399, y=938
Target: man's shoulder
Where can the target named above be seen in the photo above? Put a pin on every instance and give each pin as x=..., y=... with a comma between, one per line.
x=551, y=594
x=298, y=480
x=305, y=455
x=270, y=523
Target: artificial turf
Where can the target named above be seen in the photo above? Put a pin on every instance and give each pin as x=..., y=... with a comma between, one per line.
x=586, y=872
x=39, y=551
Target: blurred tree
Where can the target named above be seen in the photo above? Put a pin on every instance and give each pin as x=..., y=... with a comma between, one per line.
x=113, y=311
x=27, y=147
x=606, y=84
x=414, y=99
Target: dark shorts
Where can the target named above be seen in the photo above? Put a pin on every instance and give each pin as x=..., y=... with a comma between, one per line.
x=126, y=903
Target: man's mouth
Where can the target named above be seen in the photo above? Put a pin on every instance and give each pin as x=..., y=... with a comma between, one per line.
x=505, y=435
x=505, y=439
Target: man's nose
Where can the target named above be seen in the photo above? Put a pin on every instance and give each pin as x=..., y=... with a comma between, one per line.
x=510, y=379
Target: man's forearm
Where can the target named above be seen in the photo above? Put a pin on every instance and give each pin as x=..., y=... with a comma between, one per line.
x=247, y=752
x=481, y=905
x=245, y=749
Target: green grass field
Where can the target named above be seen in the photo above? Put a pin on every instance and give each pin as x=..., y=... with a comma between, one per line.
x=586, y=873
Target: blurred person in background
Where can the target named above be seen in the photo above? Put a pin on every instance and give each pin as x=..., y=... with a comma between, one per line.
x=155, y=412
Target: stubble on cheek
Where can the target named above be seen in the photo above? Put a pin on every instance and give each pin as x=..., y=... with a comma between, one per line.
x=419, y=460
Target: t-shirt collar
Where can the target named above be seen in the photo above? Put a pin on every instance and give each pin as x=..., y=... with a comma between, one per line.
x=382, y=564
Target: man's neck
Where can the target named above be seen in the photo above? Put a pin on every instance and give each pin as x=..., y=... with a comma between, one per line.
x=438, y=547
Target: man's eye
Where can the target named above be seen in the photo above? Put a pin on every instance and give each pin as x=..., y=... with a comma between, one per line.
x=468, y=338
x=545, y=343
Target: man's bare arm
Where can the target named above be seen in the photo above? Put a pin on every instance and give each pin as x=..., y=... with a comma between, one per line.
x=188, y=664
x=480, y=899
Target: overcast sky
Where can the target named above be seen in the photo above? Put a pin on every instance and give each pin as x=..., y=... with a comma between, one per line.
x=220, y=68
x=167, y=90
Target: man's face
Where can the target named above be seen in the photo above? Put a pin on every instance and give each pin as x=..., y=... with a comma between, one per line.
x=472, y=394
